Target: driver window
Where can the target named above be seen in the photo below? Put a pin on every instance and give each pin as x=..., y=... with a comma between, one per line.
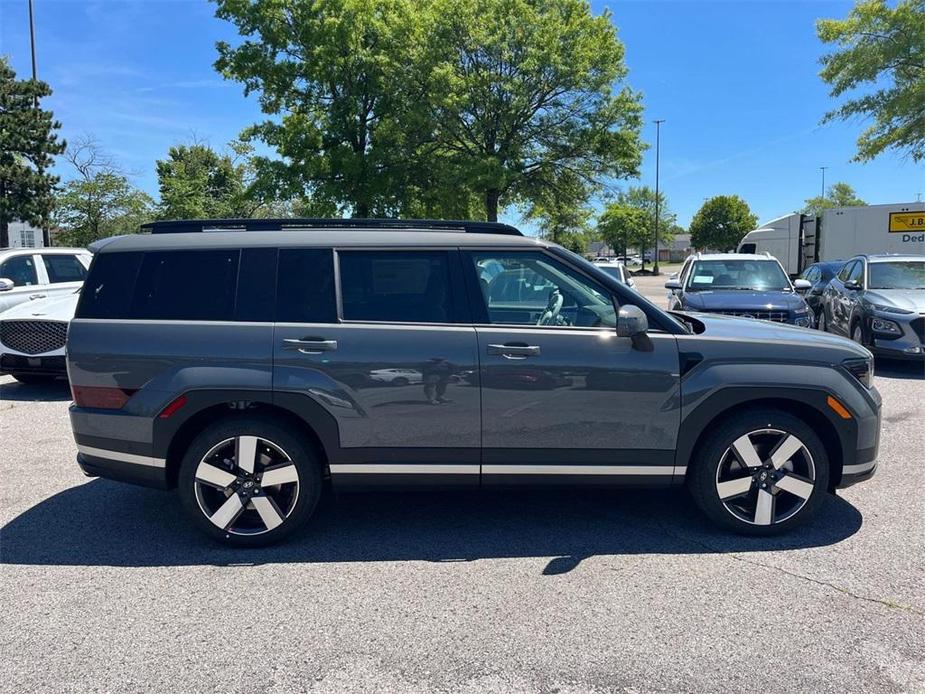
x=530, y=288
x=857, y=271
x=21, y=270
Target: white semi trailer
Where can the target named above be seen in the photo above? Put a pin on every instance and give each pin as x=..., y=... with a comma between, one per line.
x=798, y=240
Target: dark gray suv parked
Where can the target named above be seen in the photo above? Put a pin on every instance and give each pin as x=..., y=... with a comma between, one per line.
x=248, y=368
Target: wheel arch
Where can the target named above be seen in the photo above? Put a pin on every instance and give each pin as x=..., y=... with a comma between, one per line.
x=202, y=408
x=807, y=404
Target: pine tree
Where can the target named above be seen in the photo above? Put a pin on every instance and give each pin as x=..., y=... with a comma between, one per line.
x=28, y=144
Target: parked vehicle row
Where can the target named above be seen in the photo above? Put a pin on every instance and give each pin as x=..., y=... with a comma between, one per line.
x=243, y=368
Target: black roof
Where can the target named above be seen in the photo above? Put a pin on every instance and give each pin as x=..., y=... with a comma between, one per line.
x=183, y=226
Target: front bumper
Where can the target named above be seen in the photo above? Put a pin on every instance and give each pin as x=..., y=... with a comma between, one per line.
x=908, y=345
x=38, y=365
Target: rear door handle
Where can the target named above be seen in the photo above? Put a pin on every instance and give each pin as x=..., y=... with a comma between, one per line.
x=310, y=345
x=514, y=351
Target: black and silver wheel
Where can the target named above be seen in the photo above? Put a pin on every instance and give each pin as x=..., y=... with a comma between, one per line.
x=820, y=324
x=247, y=481
x=761, y=473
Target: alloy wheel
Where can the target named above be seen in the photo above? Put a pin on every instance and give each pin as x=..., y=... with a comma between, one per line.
x=246, y=485
x=765, y=477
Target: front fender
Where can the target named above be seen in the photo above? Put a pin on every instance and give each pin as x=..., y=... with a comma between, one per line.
x=707, y=397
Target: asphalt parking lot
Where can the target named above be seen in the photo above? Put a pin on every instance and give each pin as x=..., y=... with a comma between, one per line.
x=105, y=587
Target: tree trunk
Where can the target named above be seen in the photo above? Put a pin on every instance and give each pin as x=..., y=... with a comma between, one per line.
x=4, y=233
x=491, y=204
x=361, y=210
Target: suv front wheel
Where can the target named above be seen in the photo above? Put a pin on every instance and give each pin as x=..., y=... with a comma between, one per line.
x=246, y=481
x=760, y=473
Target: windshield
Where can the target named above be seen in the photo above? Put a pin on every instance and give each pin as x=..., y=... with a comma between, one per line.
x=898, y=274
x=760, y=275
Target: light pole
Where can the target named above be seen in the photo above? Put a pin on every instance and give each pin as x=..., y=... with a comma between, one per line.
x=35, y=99
x=658, y=129
x=822, y=169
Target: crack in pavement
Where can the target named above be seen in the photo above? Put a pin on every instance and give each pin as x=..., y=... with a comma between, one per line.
x=911, y=609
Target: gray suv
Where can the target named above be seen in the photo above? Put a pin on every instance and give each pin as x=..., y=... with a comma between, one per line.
x=252, y=365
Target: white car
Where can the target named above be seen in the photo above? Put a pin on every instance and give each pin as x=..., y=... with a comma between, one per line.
x=619, y=272
x=397, y=377
x=32, y=337
x=30, y=274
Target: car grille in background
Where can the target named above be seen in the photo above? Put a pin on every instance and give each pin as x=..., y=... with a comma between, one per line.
x=776, y=316
x=33, y=336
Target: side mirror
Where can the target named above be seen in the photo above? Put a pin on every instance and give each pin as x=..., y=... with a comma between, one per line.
x=802, y=285
x=6, y=285
x=631, y=321
x=673, y=284
x=852, y=284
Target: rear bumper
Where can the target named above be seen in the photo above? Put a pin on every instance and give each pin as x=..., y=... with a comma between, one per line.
x=37, y=365
x=122, y=467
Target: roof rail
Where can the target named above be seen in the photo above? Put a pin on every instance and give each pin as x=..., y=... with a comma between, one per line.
x=186, y=226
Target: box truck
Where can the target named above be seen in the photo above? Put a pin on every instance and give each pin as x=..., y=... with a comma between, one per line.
x=798, y=240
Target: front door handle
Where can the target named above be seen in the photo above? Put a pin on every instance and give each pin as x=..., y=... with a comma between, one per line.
x=520, y=351
x=308, y=345
x=32, y=297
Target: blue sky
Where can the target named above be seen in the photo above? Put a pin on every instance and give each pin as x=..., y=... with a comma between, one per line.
x=737, y=83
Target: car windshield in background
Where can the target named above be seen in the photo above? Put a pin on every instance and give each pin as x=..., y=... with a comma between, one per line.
x=760, y=275
x=899, y=274
x=613, y=271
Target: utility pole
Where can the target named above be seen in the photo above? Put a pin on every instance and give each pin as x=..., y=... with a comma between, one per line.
x=35, y=99
x=658, y=129
x=822, y=169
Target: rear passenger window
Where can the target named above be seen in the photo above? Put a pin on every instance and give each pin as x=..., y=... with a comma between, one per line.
x=186, y=285
x=64, y=268
x=107, y=293
x=305, y=288
x=405, y=286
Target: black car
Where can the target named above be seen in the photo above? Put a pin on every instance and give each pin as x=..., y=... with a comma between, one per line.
x=819, y=275
x=739, y=284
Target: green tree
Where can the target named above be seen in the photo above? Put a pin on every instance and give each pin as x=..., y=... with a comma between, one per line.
x=623, y=226
x=881, y=47
x=28, y=144
x=721, y=223
x=99, y=201
x=196, y=182
x=838, y=195
x=341, y=79
x=643, y=198
x=526, y=91
x=562, y=213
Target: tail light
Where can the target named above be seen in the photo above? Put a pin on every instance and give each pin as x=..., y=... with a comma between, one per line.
x=103, y=398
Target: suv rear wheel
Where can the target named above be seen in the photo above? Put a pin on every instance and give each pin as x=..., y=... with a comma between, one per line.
x=246, y=481
x=760, y=473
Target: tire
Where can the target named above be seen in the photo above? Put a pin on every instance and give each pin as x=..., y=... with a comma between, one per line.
x=724, y=465
x=262, y=514
x=857, y=333
x=34, y=379
x=820, y=323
